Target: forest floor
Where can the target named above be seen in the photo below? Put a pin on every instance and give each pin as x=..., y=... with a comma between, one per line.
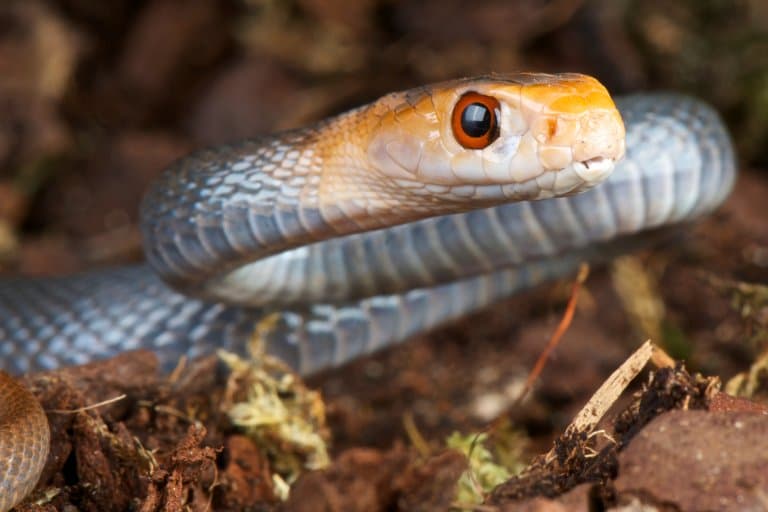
x=169, y=441
x=97, y=101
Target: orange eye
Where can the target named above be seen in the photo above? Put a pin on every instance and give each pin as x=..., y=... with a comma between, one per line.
x=474, y=120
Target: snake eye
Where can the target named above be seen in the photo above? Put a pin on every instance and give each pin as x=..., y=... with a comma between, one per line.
x=474, y=121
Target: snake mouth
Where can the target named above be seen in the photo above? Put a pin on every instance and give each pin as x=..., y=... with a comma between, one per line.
x=594, y=170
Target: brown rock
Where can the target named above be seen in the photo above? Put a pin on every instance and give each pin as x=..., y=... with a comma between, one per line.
x=699, y=460
x=723, y=402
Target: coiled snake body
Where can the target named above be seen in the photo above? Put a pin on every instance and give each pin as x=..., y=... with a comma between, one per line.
x=367, y=228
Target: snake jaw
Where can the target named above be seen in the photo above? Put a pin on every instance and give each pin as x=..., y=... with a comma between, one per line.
x=594, y=170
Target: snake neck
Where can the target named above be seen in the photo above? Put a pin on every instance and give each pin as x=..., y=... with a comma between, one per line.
x=223, y=207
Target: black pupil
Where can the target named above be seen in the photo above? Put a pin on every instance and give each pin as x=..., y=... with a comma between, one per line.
x=476, y=120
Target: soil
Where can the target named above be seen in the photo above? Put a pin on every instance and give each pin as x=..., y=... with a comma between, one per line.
x=97, y=100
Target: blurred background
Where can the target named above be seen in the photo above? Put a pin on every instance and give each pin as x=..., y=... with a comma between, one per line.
x=97, y=97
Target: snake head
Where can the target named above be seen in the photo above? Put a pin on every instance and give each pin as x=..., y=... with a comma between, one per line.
x=495, y=139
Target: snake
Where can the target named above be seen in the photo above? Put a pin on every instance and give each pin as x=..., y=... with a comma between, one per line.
x=366, y=228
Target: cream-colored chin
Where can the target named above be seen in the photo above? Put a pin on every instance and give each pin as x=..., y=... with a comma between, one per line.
x=574, y=178
x=594, y=170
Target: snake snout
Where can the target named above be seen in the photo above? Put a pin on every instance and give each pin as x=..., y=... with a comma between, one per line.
x=603, y=137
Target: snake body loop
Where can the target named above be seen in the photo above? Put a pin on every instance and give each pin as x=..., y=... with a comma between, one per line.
x=370, y=227
x=24, y=441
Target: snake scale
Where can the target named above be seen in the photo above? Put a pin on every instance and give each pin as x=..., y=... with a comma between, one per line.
x=367, y=228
